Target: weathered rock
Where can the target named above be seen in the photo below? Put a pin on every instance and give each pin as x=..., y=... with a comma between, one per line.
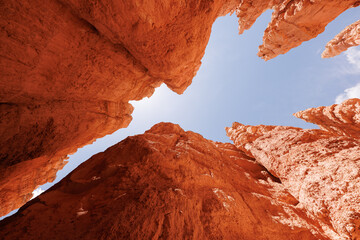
x=168, y=38
x=349, y=37
x=169, y=184
x=248, y=11
x=293, y=21
x=342, y=119
x=69, y=68
x=36, y=140
x=319, y=168
x=296, y=21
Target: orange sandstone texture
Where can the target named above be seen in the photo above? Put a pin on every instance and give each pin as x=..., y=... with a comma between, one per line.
x=341, y=119
x=165, y=184
x=37, y=139
x=296, y=21
x=320, y=168
x=69, y=68
x=292, y=22
x=347, y=38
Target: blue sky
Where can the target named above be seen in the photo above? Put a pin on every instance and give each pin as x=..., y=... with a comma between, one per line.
x=233, y=84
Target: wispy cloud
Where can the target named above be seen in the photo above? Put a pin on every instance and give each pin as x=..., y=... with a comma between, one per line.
x=353, y=57
x=37, y=192
x=353, y=61
x=353, y=92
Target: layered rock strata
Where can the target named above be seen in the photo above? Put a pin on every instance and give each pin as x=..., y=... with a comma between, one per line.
x=320, y=168
x=349, y=37
x=165, y=184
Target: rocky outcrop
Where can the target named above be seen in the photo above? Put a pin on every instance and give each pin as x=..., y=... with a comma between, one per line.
x=292, y=22
x=36, y=140
x=347, y=38
x=341, y=119
x=320, y=168
x=275, y=183
x=68, y=69
x=168, y=184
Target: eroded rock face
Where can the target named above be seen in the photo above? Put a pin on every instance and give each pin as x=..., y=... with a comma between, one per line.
x=347, y=38
x=320, y=168
x=36, y=140
x=341, y=119
x=292, y=22
x=169, y=184
x=69, y=68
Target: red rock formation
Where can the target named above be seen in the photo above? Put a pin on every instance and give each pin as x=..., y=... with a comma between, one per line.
x=169, y=184
x=341, y=119
x=349, y=37
x=319, y=168
x=36, y=140
x=248, y=11
x=68, y=68
x=296, y=21
x=292, y=23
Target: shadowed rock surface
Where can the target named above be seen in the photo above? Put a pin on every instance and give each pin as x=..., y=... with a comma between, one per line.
x=165, y=184
x=276, y=183
x=69, y=68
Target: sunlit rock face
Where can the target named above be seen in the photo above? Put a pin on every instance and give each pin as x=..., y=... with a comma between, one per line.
x=320, y=168
x=276, y=182
x=69, y=68
x=341, y=119
x=165, y=184
x=347, y=38
x=292, y=22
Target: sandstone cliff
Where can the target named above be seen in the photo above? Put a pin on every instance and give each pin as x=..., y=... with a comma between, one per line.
x=320, y=168
x=293, y=21
x=275, y=183
x=168, y=183
x=68, y=69
x=349, y=37
x=165, y=184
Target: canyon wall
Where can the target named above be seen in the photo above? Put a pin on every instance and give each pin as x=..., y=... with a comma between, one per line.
x=276, y=182
x=319, y=167
x=69, y=68
x=165, y=184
